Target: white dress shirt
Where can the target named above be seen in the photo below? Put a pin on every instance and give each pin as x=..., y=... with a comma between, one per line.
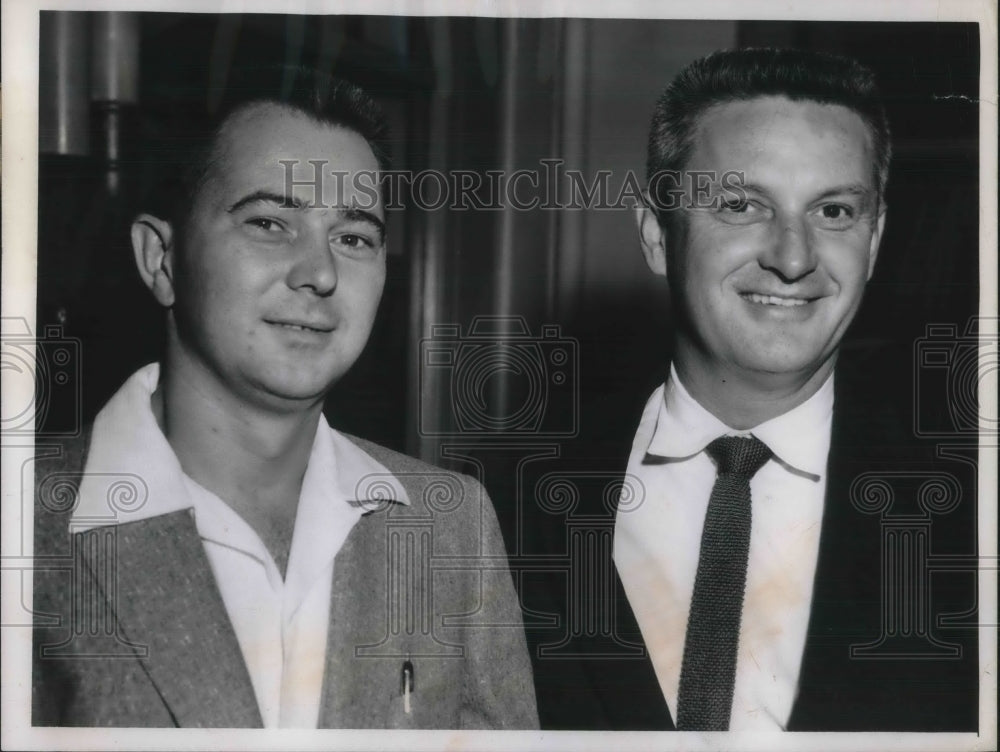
x=280, y=624
x=657, y=543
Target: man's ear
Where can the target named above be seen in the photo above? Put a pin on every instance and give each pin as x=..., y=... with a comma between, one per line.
x=875, y=242
x=653, y=240
x=153, y=246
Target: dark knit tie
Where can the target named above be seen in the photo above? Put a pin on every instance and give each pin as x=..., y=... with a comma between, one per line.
x=708, y=673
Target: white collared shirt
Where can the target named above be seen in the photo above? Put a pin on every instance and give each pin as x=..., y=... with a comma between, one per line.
x=280, y=624
x=657, y=543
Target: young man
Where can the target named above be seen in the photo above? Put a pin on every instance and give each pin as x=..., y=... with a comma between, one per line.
x=754, y=571
x=268, y=570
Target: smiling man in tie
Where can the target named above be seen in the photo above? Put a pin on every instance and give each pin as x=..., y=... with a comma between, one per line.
x=764, y=281
x=269, y=570
x=749, y=570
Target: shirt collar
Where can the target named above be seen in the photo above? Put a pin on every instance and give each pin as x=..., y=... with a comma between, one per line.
x=799, y=439
x=132, y=473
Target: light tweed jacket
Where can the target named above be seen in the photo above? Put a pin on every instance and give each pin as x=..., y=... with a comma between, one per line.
x=130, y=628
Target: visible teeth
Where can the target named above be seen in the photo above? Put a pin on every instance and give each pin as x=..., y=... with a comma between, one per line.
x=774, y=300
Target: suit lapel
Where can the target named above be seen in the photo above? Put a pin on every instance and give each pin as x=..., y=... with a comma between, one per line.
x=844, y=605
x=628, y=689
x=597, y=681
x=358, y=575
x=845, y=597
x=168, y=601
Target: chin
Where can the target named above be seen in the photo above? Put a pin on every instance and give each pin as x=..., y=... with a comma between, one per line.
x=777, y=364
x=298, y=386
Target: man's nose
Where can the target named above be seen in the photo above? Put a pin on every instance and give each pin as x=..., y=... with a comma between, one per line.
x=315, y=267
x=790, y=253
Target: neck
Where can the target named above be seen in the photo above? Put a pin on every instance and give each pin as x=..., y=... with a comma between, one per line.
x=743, y=400
x=252, y=457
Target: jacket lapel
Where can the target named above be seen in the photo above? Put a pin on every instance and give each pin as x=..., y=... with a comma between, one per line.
x=627, y=686
x=593, y=672
x=846, y=588
x=165, y=598
x=357, y=582
x=844, y=609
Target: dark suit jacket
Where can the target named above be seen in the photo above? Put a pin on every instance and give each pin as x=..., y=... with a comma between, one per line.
x=131, y=629
x=891, y=642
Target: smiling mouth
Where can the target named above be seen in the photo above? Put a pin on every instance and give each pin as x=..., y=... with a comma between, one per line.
x=295, y=327
x=774, y=300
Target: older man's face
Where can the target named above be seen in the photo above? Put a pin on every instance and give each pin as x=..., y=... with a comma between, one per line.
x=770, y=284
x=277, y=285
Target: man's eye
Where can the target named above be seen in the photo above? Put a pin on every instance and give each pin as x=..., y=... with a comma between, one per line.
x=357, y=242
x=836, y=216
x=835, y=211
x=354, y=240
x=735, y=205
x=265, y=224
x=740, y=211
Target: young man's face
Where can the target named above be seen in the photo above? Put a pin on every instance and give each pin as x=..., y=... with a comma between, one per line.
x=277, y=301
x=770, y=284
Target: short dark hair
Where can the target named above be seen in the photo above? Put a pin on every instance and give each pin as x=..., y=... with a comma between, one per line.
x=183, y=159
x=742, y=74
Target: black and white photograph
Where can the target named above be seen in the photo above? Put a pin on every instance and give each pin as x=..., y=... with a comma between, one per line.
x=520, y=376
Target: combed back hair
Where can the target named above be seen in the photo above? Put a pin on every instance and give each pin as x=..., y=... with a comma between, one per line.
x=735, y=75
x=184, y=157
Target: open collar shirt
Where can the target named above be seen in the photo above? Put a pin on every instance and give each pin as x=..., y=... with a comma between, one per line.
x=280, y=623
x=657, y=543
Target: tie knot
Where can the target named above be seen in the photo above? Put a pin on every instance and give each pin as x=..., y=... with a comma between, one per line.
x=739, y=455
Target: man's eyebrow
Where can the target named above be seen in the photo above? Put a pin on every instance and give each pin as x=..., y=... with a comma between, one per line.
x=353, y=214
x=850, y=189
x=285, y=202
x=745, y=187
